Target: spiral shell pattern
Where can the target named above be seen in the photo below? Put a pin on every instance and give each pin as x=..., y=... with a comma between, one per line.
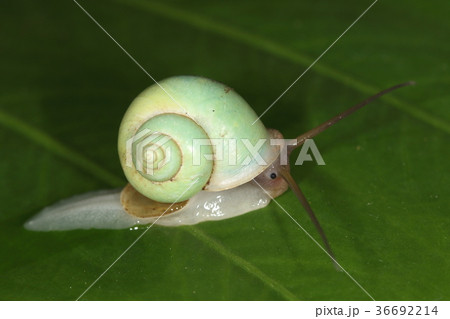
x=160, y=162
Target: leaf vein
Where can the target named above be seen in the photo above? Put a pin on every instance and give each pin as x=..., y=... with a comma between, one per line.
x=242, y=263
x=46, y=141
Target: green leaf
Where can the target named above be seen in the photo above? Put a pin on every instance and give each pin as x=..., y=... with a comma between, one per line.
x=382, y=198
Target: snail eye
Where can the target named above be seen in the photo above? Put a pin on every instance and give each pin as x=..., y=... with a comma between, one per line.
x=273, y=176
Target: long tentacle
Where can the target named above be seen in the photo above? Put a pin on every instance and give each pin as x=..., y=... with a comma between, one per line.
x=322, y=127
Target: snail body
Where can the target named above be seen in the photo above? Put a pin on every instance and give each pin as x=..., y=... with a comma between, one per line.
x=104, y=210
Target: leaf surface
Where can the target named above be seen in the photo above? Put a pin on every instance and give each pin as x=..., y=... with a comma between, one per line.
x=382, y=198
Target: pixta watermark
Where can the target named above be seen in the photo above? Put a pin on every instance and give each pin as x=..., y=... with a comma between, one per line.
x=151, y=151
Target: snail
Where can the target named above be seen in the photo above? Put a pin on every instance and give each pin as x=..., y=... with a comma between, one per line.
x=190, y=153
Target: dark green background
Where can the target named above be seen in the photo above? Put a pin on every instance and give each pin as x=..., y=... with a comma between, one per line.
x=382, y=198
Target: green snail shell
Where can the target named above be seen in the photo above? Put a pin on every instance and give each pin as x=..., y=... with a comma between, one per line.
x=177, y=111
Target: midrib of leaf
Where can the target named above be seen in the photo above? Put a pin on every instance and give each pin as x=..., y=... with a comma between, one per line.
x=280, y=51
x=50, y=144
